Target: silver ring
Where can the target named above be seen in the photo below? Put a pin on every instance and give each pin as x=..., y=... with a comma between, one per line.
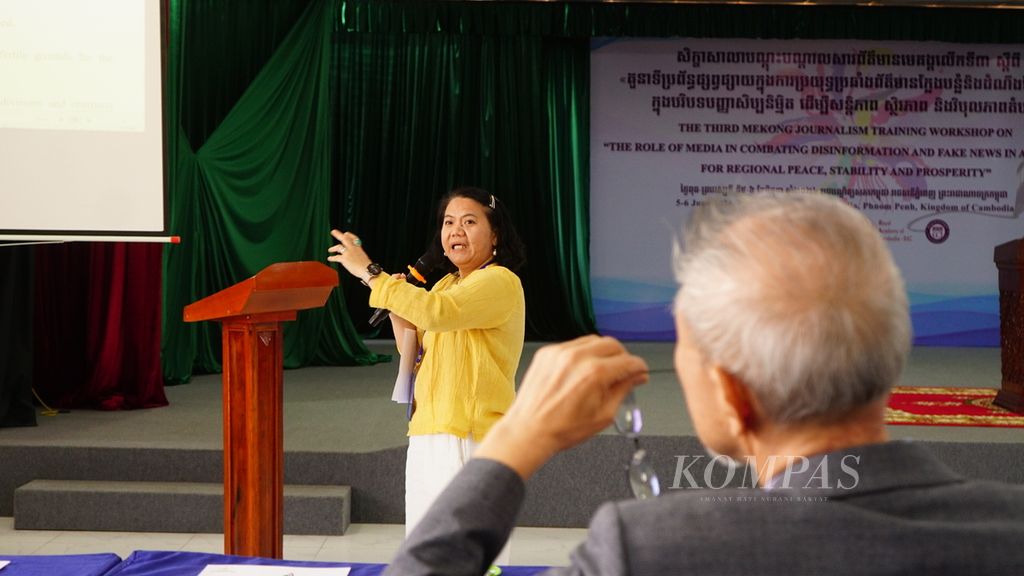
x=342, y=251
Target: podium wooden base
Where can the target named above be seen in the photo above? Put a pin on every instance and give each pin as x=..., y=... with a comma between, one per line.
x=254, y=431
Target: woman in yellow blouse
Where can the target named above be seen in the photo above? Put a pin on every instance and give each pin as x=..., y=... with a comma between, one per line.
x=470, y=327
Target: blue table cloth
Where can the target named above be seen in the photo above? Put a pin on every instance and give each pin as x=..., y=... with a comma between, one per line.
x=156, y=563
x=63, y=565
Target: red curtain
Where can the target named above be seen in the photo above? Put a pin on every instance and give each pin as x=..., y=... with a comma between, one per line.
x=97, y=325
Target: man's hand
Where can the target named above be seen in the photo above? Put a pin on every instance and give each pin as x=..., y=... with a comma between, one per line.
x=569, y=393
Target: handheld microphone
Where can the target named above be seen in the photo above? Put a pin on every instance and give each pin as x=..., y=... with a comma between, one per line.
x=417, y=275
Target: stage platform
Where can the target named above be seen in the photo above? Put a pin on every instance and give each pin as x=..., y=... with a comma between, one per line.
x=341, y=429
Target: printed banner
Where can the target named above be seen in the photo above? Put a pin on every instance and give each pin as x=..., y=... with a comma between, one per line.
x=927, y=139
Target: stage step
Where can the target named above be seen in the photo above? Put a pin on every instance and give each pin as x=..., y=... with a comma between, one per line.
x=188, y=507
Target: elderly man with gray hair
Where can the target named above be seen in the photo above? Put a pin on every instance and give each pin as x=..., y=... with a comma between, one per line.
x=792, y=324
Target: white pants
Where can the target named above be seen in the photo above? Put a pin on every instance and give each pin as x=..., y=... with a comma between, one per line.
x=430, y=464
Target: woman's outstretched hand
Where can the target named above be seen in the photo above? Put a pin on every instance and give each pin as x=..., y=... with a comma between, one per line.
x=349, y=253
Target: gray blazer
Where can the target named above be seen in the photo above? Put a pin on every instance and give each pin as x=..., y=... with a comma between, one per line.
x=880, y=509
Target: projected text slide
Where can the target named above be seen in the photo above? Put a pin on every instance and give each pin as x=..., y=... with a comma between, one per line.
x=926, y=139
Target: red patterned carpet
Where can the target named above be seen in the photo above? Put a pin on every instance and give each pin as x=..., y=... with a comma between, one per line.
x=948, y=406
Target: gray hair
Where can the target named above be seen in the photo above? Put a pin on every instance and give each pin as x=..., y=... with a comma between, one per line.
x=797, y=295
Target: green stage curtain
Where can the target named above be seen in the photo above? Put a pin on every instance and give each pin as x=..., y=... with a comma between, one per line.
x=221, y=46
x=256, y=192
x=583, y=20
x=423, y=107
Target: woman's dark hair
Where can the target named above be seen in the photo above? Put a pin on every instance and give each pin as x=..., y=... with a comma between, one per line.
x=510, y=250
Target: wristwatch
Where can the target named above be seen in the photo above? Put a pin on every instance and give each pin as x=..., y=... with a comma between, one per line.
x=373, y=270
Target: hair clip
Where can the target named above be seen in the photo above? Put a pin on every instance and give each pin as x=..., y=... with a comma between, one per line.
x=494, y=202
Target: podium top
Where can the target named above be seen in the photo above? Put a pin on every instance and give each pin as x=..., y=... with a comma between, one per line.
x=281, y=287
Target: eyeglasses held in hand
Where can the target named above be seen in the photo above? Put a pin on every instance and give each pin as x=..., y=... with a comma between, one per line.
x=643, y=481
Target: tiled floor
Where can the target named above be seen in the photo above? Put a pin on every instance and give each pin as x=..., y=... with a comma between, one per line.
x=372, y=543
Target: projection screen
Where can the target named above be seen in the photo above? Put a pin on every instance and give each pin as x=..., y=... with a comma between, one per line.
x=81, y=126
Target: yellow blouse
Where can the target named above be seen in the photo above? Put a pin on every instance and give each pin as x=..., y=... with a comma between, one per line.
x=471, y=331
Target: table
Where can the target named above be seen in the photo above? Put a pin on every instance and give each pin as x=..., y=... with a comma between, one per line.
x=63, y=565
x=163, y=563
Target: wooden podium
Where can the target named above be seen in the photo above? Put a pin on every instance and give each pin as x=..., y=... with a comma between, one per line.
x=251, y=313
x=1009, y=258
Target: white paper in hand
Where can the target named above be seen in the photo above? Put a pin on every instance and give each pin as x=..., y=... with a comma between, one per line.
x=409, y=348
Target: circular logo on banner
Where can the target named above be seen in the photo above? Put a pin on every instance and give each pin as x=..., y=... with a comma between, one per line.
x=937, y=231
